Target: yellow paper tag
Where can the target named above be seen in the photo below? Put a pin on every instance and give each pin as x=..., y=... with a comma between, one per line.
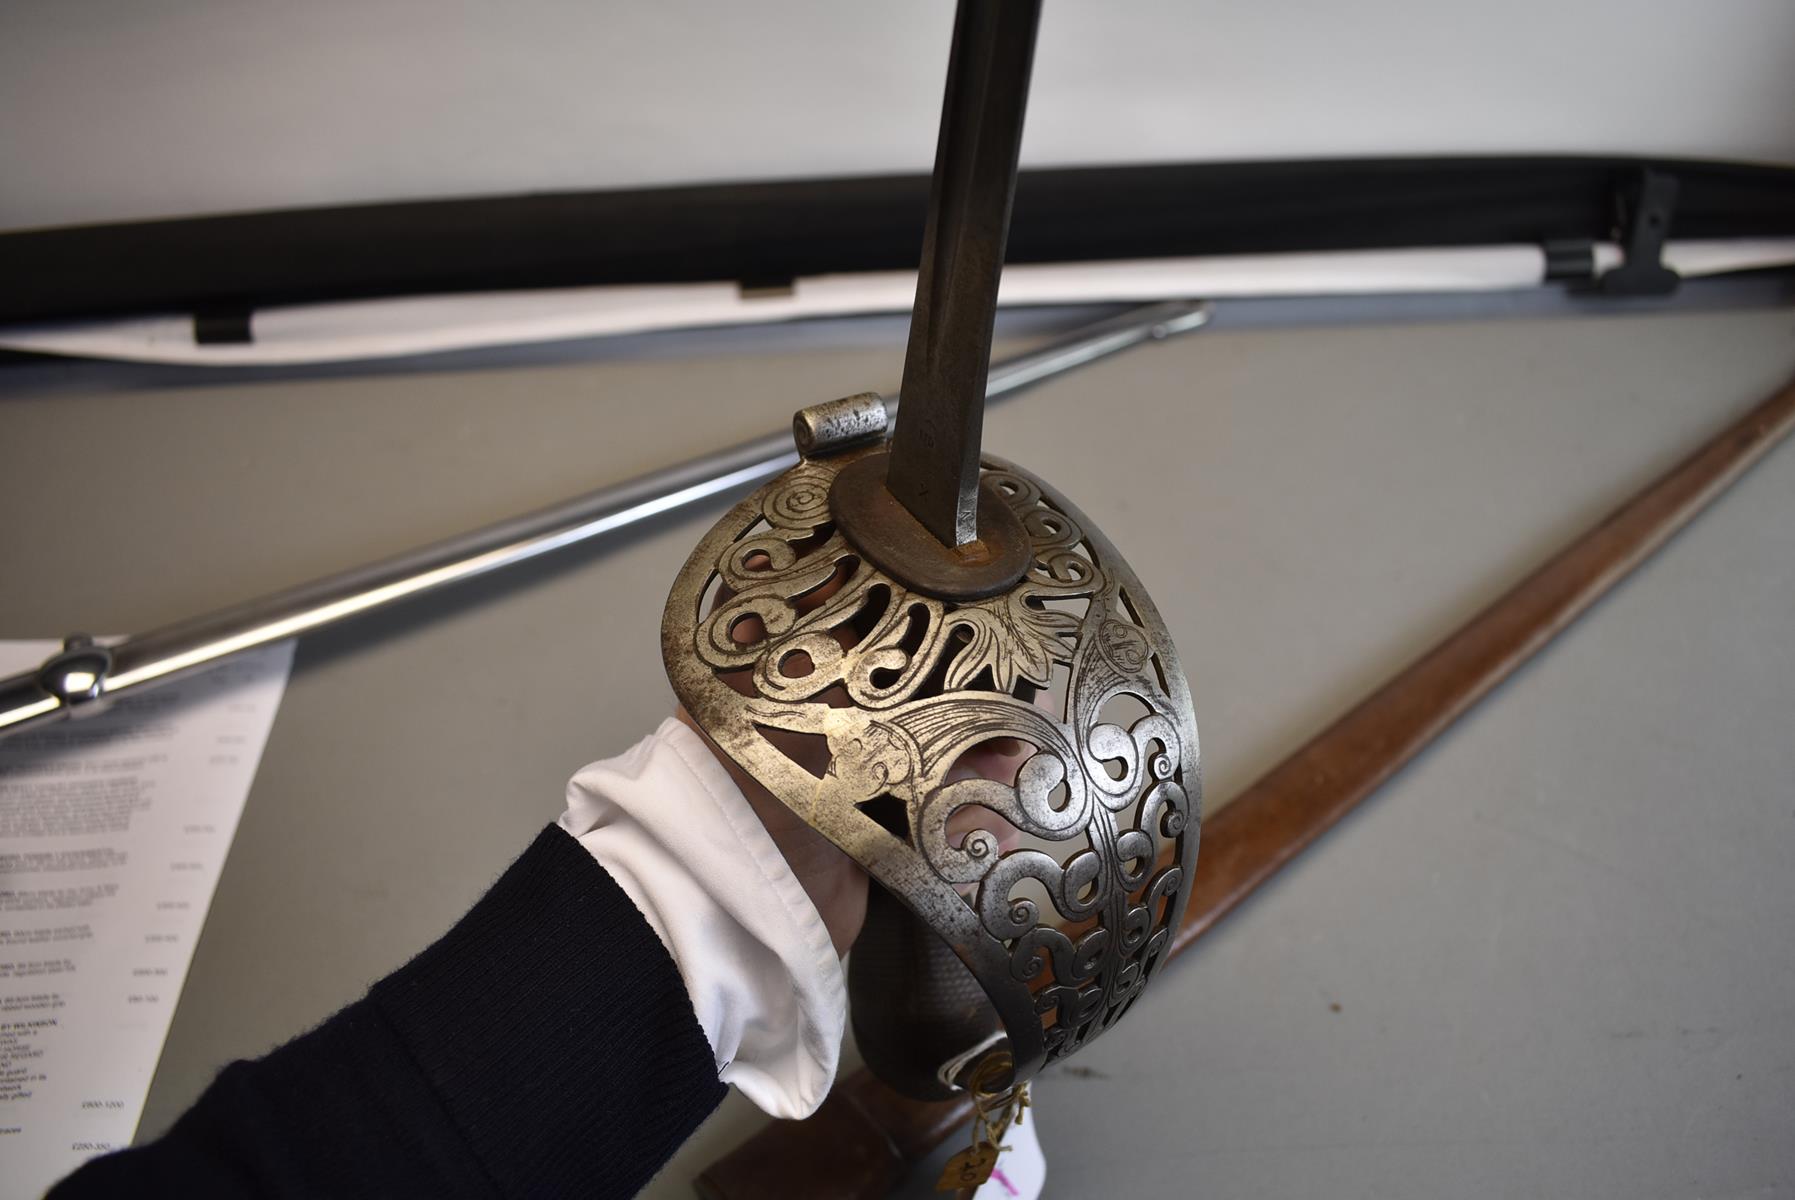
x=967, y=1169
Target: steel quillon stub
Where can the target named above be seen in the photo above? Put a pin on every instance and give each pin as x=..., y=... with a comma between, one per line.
x=998, y=732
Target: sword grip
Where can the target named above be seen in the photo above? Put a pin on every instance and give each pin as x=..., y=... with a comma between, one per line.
x=913, y=1003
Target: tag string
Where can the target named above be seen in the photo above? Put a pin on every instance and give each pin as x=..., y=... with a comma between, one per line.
x=994, y=1111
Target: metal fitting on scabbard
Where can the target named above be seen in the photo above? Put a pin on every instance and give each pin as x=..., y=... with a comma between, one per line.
x=1018, y=769
x=76, y=676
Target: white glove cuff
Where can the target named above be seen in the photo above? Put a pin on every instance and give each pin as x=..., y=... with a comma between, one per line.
x=665, y=820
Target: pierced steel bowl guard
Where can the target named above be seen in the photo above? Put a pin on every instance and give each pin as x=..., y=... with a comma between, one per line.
x=1107, y=803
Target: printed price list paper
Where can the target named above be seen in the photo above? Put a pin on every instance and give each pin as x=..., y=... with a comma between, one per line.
x=113, y=831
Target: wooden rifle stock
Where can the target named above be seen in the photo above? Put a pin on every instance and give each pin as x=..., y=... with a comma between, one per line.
x=861, y=1140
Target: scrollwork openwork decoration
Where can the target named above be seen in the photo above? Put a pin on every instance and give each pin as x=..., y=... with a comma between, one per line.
x=1060, y=888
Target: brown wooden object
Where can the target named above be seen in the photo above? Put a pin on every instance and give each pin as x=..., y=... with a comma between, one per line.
x=864, y=1137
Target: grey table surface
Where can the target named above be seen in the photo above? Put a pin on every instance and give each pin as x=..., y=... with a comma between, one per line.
x=1556, y=957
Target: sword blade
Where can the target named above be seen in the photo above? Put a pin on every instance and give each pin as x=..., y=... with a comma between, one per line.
x=934, y=466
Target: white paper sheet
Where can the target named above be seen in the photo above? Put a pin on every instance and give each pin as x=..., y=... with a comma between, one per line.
x=392, y=327
x=113, y=831
x=1021, y=1170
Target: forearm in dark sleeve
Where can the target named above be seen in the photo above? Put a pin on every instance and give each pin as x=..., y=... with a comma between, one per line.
x=545, y=1046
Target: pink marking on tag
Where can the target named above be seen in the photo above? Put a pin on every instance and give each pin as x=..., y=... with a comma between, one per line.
x=1007, y=1185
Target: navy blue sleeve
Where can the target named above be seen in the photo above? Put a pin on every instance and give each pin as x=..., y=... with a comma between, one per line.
x=544, y=1047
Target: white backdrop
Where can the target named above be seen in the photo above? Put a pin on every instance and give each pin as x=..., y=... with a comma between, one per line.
x=127, y=109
